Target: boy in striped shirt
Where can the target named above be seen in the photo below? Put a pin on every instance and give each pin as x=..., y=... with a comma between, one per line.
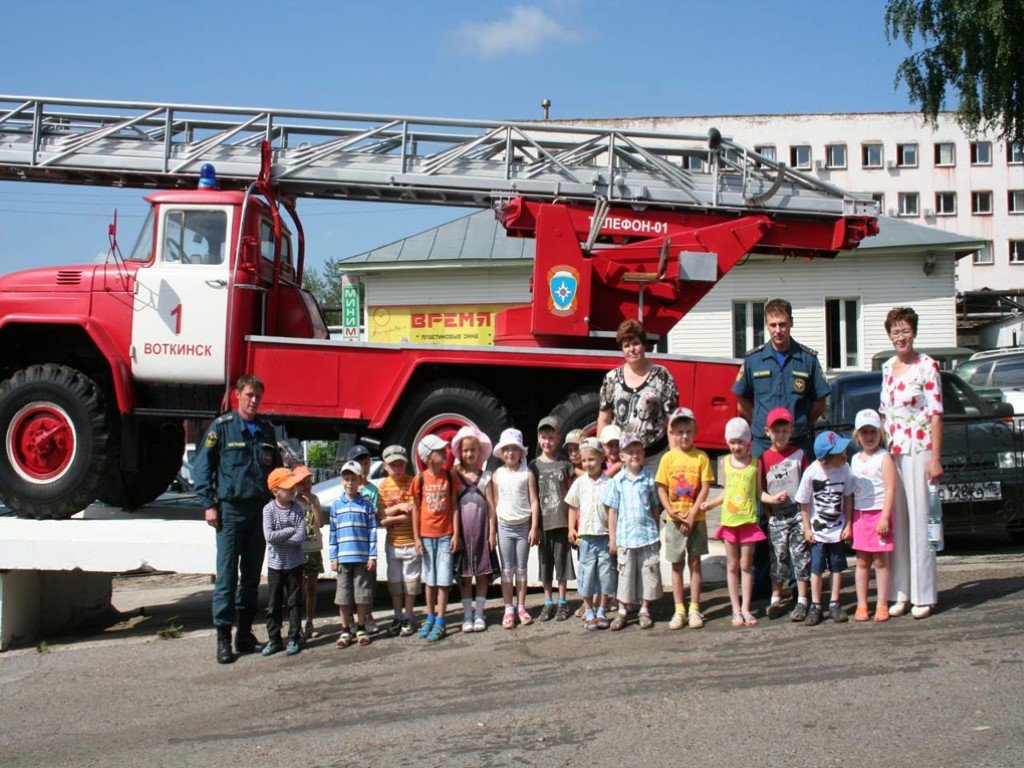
x=353, y=553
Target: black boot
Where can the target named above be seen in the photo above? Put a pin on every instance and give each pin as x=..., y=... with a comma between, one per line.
x=224, y=654
x=245, y=640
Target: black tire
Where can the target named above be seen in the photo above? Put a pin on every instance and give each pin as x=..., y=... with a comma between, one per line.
x=440, y=407
x=161, y=445
x=578, y=410
x=1016, y=534
x=78, y=405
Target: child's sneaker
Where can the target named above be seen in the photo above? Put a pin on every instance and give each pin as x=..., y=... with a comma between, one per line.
x=407, y=629
x=272, y=647
x=293, y=648
x=562, y=612
x=777, y=610
x=437, y=632
x=799, y=612
x=426, y=626
x=371, y=625
x=396, y=626
x=813, y=616
x=837, y=614
x=546, y=613
x=678, y=621
x=696, y=620
x=644, y=620
x=308, y=632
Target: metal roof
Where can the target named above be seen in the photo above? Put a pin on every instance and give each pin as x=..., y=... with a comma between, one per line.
x=479, y=238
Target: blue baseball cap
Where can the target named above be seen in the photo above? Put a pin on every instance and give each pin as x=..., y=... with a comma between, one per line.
x=828, y=443
x=357, y=452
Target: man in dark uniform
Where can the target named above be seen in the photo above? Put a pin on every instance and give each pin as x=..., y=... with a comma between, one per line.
x=238, y=452
x=780, y=373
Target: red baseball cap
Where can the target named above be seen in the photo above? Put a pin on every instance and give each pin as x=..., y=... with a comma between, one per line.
x=778, y=414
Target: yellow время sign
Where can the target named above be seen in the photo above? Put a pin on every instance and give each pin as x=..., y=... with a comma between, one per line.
x=469, y=324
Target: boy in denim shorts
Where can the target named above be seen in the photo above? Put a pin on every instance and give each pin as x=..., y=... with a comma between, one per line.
x=825, y=497
x=632, y=504
x=435, y=529
x=781, y=466
x=683, y=480
x=588, y=529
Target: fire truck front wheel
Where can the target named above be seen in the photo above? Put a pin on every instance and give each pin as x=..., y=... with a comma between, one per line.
x=442, y=408
x=58, y=447
x=578, y=411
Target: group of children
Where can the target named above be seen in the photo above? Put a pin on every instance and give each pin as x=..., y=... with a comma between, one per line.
x=621, y=516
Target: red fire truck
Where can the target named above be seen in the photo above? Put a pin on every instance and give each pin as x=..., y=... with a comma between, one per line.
x=103, y=363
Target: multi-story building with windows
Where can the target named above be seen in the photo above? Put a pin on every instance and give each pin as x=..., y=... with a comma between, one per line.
x=940, y=177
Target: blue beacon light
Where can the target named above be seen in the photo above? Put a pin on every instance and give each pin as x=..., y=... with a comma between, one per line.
x=207, y=176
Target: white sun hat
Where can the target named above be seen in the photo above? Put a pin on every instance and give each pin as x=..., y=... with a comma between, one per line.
x=510, y=436
x=470, y=431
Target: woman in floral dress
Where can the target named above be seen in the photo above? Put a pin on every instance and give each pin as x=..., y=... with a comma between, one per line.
x=911, y=410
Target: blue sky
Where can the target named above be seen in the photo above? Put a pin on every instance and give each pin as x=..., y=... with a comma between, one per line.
x=492, y=60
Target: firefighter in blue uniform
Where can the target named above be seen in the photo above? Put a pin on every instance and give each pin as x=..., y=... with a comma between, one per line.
x=238, y=452
x=781, y=373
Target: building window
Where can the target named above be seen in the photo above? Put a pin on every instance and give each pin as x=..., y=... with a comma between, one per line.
x=747, y=326
x=871, y=155
x=945, y=154
x=835, y=156
x=693, y=163
x=1015, y=154
x=879, y=198
x=981, y=203
x=1015, y=201
x=800, y=156
x=906, y=155
x=766, y=150
x=1017, y=251
x=945, y=203
x=842, y=333
x=981, y=153
x=983, y=256
x=909, y=204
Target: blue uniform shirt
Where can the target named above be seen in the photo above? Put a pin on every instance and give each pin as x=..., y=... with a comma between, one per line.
x=794, y=384
x=233, y=463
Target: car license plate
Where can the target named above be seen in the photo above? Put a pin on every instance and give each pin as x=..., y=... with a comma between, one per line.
x=956, y=492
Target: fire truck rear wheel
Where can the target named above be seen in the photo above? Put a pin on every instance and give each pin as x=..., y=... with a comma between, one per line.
x=442, y=408
x=161, y=445
x=58, y=446
x=578, y=411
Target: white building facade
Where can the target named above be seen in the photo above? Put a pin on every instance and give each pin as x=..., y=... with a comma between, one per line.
x=939, y=177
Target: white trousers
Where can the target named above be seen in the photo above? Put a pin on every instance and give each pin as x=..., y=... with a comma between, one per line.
x=913, y=563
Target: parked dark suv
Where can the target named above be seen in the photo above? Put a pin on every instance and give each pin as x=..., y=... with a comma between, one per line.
x=982, y=448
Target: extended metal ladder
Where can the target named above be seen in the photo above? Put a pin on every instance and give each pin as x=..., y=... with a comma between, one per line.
x=400, y=159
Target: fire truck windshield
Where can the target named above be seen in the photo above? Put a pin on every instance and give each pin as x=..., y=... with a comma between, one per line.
x=143, y=250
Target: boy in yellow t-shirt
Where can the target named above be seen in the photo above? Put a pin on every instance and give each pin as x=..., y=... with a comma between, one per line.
x=683, y=480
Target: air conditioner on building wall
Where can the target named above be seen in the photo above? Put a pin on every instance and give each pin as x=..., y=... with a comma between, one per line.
x=819, y=164
x=891, y=212
x=890, y=164
x=929, y=213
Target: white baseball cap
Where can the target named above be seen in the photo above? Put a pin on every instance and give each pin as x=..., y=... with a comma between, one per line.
x=737, y=429
x=353, y=467
x=867, y=418
x=609, y=433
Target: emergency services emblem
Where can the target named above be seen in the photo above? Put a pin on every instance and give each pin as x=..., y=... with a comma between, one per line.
x=563, y=288
x=211, y=439
x=268, y=457
x=799, y=385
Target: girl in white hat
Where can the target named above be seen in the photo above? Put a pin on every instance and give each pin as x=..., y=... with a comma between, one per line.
x=517, y=514
x=874, y=494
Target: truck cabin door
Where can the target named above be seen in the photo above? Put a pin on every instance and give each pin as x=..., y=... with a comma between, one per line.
x=181, y=298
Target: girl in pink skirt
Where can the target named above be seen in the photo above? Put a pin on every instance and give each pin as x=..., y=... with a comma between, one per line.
x=739, y=530
x=874, y=476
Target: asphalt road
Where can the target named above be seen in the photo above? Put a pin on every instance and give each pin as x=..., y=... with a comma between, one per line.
x=946, y=691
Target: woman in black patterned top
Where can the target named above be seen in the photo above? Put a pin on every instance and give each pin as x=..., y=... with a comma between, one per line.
x=638, y=395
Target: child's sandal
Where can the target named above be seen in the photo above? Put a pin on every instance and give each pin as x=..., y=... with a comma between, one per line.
x=437, y=632
x=862, y=613
x=362, y=637
x=737, y=619
x=882, y=613
x=749, y=620
x=344, y=639
x=509, y=620
x=524, y=617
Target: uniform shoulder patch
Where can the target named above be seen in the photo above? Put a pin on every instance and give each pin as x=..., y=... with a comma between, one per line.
x=808, y=350
x=224, y=418
x=739, y=373
x=755, y=350
x=211, y=438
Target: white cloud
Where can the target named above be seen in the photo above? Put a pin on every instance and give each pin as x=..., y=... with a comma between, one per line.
x=526, y=30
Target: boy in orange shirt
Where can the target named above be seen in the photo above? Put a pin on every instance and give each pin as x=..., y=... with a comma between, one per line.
x=435, y=528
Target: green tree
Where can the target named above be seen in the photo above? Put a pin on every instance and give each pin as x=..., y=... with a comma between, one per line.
x=325, y=283
x=972, y=48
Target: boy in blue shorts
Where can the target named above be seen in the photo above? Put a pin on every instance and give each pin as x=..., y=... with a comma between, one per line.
x=353, y=553
x=825, y=497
